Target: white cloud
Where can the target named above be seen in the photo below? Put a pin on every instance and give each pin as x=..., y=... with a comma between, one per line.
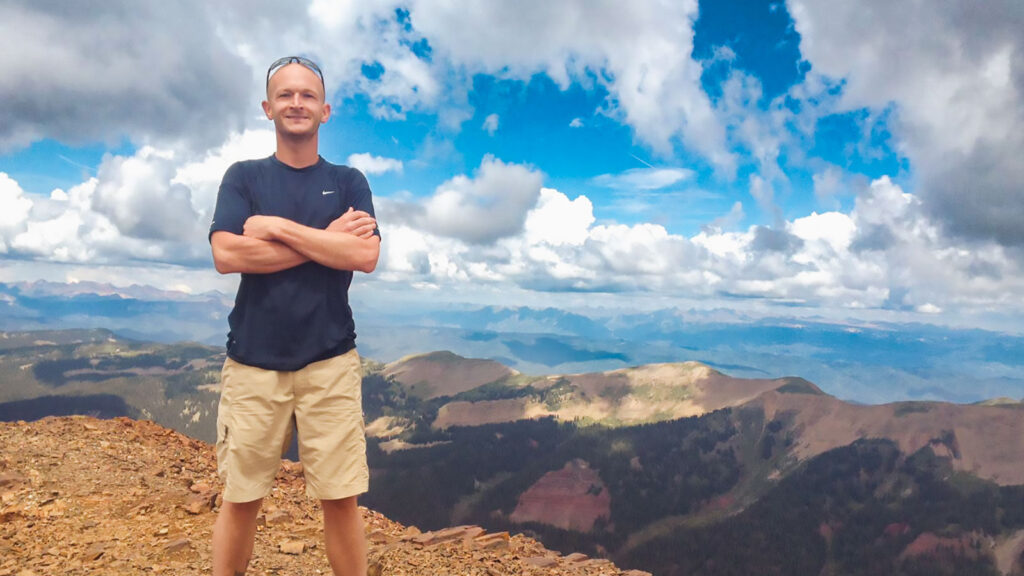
x=644, y=178
x=14, y=206
x=953, y=78
x=56, y=239
x=151, y=207
x=558, y=221
x=576, y=123
x=490, y=124
x=501, y=228
x=202, y=175
x=138, y=196
x=370, y=164
x=477, y=210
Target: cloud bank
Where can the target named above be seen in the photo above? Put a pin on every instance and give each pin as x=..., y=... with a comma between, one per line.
x=944, y=83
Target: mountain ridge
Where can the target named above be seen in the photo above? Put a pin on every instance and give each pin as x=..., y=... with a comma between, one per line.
x=667, y=391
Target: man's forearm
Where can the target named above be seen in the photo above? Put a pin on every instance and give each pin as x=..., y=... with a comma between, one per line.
x=337, y=250
x=236, y=253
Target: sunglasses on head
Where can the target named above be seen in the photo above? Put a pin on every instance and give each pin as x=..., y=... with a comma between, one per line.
x=282, y=62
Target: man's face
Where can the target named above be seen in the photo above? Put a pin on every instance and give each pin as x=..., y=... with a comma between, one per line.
x=295, y=101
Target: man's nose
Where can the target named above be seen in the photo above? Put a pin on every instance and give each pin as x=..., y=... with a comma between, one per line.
x=296, y=100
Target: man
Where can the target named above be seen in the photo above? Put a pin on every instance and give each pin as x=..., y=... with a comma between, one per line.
x=295, y=227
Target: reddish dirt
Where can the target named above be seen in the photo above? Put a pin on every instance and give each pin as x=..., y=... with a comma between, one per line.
x=896, y=529
x=572, y=498
x=929, y=544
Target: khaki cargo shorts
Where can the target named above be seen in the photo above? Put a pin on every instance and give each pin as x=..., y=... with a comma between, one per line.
x=254, y=424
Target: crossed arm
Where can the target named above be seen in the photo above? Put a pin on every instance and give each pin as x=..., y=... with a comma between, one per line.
x=271, y=244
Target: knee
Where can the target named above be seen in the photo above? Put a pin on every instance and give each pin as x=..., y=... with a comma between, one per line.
x=341, y=505
x=241, y=508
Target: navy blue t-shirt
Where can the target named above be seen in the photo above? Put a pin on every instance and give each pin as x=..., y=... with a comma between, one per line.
x=288, y=319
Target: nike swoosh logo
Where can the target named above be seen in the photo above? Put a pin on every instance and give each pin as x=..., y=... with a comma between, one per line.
x=326, y=192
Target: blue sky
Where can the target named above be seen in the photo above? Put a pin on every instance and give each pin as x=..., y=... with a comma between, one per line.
x=851, y=162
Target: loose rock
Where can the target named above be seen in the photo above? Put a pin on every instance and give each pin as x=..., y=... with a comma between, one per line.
x=293, y=547
x=146, y=490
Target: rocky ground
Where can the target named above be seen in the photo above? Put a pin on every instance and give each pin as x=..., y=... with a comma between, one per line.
x=115, y=497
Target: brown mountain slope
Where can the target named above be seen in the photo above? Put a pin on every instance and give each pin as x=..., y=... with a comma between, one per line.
x=987, y=441
x=117, y=497
x=651, y=393
x=445, y=374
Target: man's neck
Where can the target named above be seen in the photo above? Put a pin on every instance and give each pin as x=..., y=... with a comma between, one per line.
x=297, y=154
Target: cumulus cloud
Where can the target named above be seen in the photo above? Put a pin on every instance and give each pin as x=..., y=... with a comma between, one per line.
x=576, y=123
x=957, y=87
x=820, y=260
x=202, y=174
x=151, y=207
x=477, y=210
x=370, y=164
x=558, y=221
x=71, y=77
x=559, y=248
x=137, y=196
x=14, y=208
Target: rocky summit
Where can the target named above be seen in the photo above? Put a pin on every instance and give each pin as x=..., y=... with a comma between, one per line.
x=80, y=495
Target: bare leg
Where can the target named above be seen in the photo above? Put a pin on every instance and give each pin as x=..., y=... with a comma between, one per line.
x=233, y=536
x=345, y=537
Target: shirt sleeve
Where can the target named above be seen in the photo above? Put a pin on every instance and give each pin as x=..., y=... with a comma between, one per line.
x=233, y=206
x=360, y=196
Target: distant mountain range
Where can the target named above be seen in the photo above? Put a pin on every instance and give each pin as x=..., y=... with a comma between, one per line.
x=674, y=468
x=141, y=312
x=856, y=361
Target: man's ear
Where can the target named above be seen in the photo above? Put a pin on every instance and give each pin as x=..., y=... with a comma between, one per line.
x=267, y=110
x=327, y=113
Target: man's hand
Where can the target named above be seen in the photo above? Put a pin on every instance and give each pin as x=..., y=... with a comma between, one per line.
x=262, y=227
x=355, y=222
